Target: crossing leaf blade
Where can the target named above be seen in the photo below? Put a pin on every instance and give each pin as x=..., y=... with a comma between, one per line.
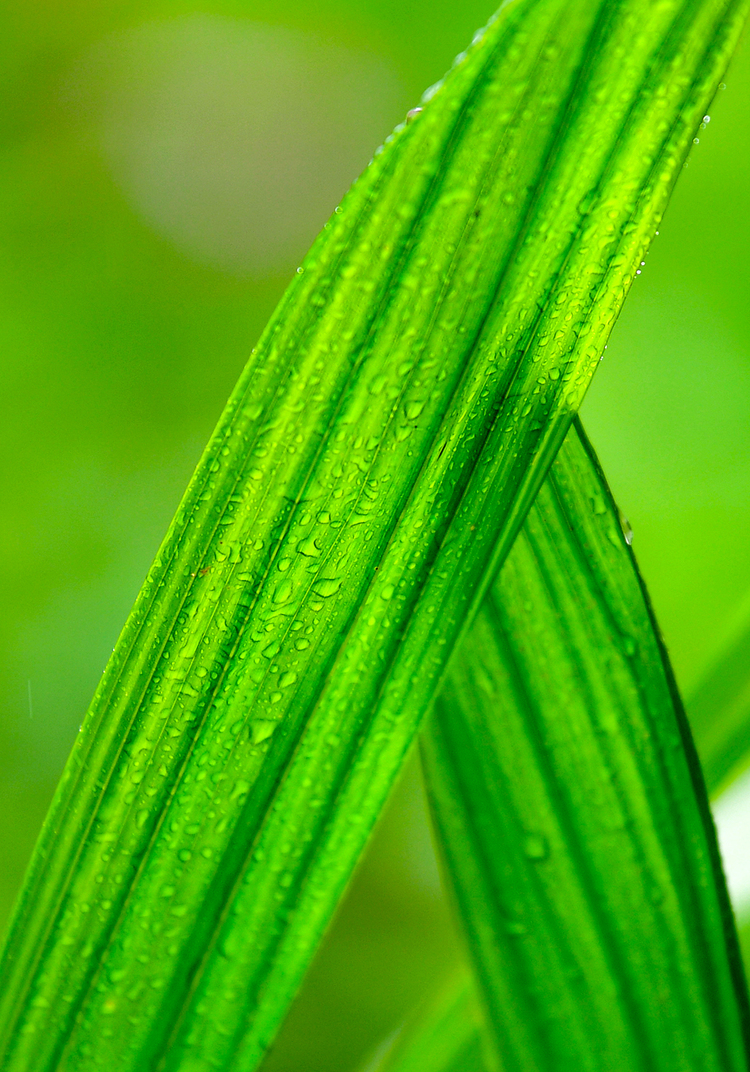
x=573, y=813
x=371, y=469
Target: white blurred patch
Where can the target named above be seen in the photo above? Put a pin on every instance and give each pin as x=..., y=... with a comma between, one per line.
x=235, y=139
x=732, y=817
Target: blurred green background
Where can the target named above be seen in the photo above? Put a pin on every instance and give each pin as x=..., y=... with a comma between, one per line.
x=163, y=168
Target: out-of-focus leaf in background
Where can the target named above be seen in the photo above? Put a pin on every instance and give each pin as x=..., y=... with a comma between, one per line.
x=122, y=335
x=228, y=136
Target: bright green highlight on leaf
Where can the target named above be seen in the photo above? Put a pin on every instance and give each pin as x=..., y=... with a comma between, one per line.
x=372, y=467
x=572, y=812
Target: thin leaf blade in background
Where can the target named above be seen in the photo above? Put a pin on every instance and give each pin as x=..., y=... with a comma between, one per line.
x=447, y=1035
x=719, y=712
x=572, y=811
x=372, y=467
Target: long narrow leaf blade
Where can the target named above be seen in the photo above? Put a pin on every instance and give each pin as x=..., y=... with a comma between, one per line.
x=446, y=1036
x=719, y=712
x=372, y=466
x=573, y=814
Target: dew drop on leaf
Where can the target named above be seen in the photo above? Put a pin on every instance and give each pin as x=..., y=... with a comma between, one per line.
x=260, y=730
x=535, y=847
x=283, y=592
x=514, y=928
x=627, y=530
x=326, y=586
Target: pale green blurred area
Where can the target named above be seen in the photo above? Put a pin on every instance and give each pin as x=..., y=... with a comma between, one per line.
x=163, y=168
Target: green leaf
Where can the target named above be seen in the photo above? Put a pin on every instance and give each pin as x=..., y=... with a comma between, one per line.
x=719, y=712
x=446, y=1036
x=372, y=467
x=572, y=811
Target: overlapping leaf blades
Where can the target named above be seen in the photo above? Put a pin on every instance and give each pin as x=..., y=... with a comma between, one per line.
x=447, y=1036
x=573, y=814
x=372, y=466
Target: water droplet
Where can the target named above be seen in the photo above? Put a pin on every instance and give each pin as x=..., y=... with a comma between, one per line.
x=706, y=118
x=272, y=649
x=535, y=847
x=184, y=855
x=377, y=384
x=514, y=928
x=287, y=679
x=387, y=592
x=627, y=531
x=260, y=730
x=413, y=408
x=241, y=787
x=326, y=586
x=301, y=644
x=413, y=113
x=600, y=507
x=283, y=592
x=696, y=141
x=309, y=547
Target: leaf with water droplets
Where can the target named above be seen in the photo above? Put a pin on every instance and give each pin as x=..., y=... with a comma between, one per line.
x=567, y=795
x=458, y=272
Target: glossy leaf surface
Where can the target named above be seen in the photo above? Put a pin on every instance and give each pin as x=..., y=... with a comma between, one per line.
x=573, y=813
x=372, y=467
